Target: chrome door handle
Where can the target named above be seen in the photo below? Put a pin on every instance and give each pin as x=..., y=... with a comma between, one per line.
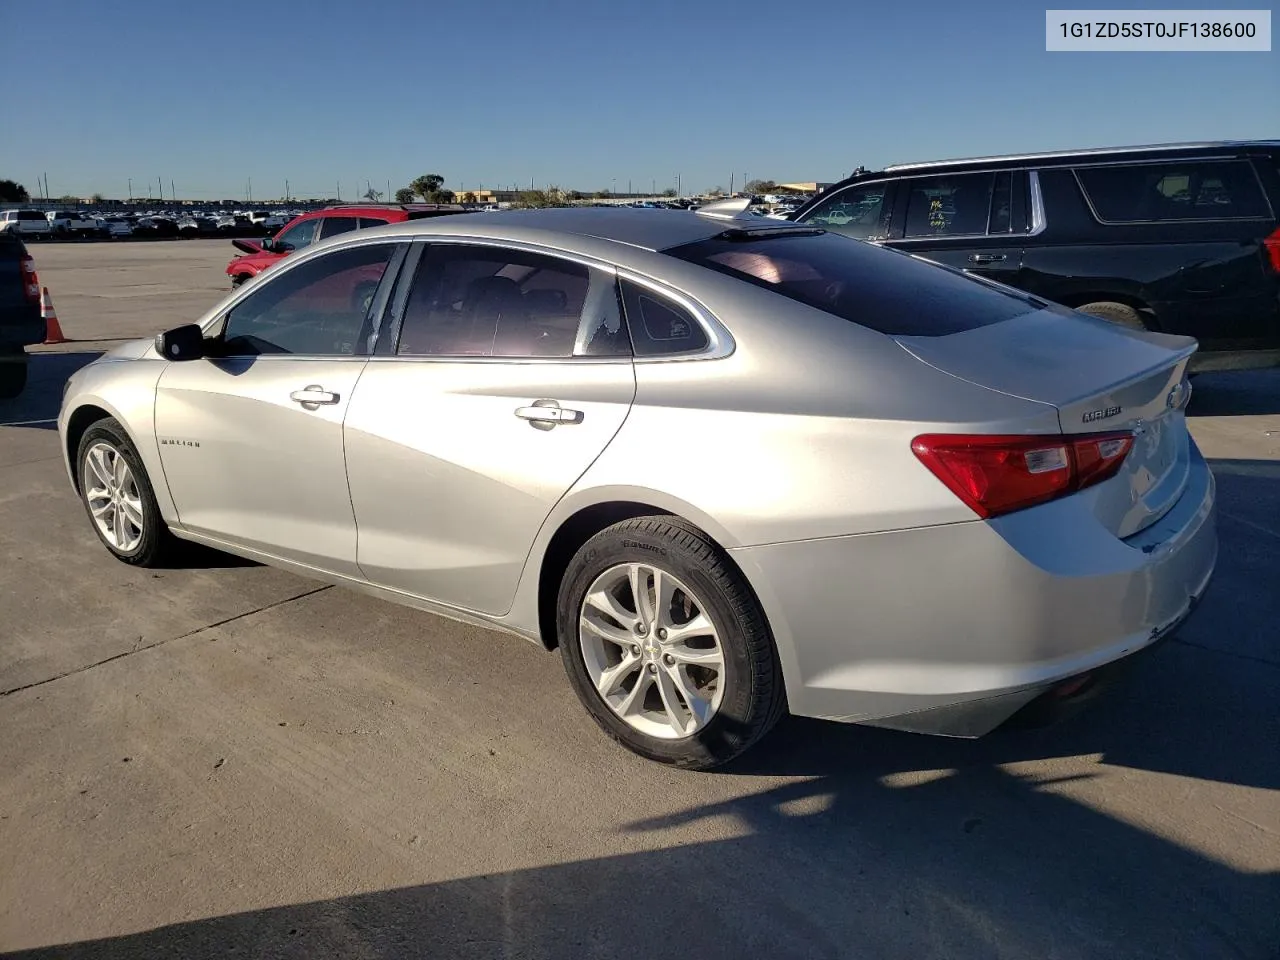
x=313, y=395
x=548, y=413
x=987, y=257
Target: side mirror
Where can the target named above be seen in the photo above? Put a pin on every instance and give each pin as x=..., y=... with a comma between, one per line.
x=181, y=343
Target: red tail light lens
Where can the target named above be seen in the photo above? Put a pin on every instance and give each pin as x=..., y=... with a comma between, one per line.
x=995, y=475
x=1272, y=246
x=30, y=282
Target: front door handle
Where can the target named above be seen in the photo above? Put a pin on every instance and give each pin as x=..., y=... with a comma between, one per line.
x=313, y=395
x=546, y=414
x=987, y=257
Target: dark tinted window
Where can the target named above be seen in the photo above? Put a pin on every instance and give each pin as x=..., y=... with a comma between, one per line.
x=317, y=308
x=949, y=205
x=366, y=222
x=1190, y=190
x=871, y=286
x=658, y=325
x=859, y=211
x=1002, y=203
x=332, y=226
x=36, y=215
x=493, y=302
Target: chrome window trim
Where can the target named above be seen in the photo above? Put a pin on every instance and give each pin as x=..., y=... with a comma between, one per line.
x=1262, y=188
x=1038, y=219
x=720, y=342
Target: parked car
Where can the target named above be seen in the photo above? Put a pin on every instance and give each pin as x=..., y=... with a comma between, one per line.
x=68, y=222
x=118, y=227
x=730, y=467
x=21, y=324
x=1180, y=238
x=31, y=224
x=320, y=225
x=197, y=227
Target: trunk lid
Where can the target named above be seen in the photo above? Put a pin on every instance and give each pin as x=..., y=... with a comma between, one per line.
x=1101, y=378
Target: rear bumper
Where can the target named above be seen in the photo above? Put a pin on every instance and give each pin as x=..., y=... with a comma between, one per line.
x=952, y=629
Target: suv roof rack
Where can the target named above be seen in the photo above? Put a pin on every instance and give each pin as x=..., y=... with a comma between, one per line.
x=1090, y=152
x=396, y=206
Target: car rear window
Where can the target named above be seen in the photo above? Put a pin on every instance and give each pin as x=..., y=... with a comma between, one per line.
x=1186, y=190
x=884, y=290
x=31, y=215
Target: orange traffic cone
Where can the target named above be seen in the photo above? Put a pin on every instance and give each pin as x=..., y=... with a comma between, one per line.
x=53, y=330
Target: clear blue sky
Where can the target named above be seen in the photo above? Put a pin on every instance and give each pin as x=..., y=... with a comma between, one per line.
x=583, y=94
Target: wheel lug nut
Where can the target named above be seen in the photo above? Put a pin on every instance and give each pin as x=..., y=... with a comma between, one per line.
x=653, y=668
x=662, y=634
x=668, y=659
x=641, y=629
x=635, y=649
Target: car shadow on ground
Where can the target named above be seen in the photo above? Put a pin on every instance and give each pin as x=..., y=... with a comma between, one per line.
x=886, y=845
x=1235, y=394
x=38, y=405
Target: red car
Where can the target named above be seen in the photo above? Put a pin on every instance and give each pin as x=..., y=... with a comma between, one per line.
x=320, y=225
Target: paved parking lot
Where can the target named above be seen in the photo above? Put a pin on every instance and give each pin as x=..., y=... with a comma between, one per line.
x=227, y=760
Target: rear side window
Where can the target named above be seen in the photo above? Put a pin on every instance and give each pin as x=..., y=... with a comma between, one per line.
x=366, y=222
x=332, y=226
x=659, y=326
x=34, y=215
x=1187, y=190
x=884, y=290
x=952, y=205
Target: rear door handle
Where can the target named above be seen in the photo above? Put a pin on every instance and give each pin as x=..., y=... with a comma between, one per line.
x=313, y=395
x=987, y=257
x=548, y=413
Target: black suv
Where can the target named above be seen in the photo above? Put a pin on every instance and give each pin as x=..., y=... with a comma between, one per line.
x=1180, y=238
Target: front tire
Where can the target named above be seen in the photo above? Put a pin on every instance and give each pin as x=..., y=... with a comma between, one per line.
x=118, y=496
x=665, y=644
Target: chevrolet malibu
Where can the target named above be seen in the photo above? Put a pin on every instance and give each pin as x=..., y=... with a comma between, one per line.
x=730, y=467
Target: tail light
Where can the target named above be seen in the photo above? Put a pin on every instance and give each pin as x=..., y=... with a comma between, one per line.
x=30, y=282
x=995, y=475
x=1272, y=245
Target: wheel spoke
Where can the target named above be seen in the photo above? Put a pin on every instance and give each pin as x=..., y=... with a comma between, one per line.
x=97, y=463
x=120, y=470
x=605, y=602
x=699, y=626
x=607, y=631
x=664, y=590
x=671, y=703
x=639, y=577
x=100, y=509
x=635, y=698
x=698, y=704
x=118, y=527
x=133, y=511
x=710, y=657
x=612, y=677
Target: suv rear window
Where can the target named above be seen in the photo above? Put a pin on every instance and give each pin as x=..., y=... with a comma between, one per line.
x=32, y=215
x=1188, y=190
x=887, y=291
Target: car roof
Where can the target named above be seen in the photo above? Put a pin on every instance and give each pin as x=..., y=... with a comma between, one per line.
x=647, y=229
x=1091, y=153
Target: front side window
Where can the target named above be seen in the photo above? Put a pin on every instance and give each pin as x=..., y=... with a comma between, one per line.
x=881, y=289
x=949, y=206
x=336, y=225
x=1186, y=190
x=319, y=308
x=494, y=302
x=299, y=236
x=859, y=211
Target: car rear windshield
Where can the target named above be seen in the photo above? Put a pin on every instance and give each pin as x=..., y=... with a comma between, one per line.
x=884, y=290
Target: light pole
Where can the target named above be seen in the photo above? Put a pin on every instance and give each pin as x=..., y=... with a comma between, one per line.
x=131, y=188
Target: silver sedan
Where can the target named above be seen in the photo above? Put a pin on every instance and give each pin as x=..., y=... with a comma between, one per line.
x=730, y=467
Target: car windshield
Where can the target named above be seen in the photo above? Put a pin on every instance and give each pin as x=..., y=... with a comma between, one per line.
x=884, y=290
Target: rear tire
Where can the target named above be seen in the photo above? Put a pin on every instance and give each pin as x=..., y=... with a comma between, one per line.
x=13, y=372
x=141, y=538
x=1120, y=314
x=693, y=698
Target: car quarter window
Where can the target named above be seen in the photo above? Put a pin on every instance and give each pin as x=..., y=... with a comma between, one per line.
x=318, y=308
x=475, y=300
x=1182, y=190
x=658, y=325
x=336, y=225
x=948, y=205
x=859, y=211
x=367, y=222
x=299, y=235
